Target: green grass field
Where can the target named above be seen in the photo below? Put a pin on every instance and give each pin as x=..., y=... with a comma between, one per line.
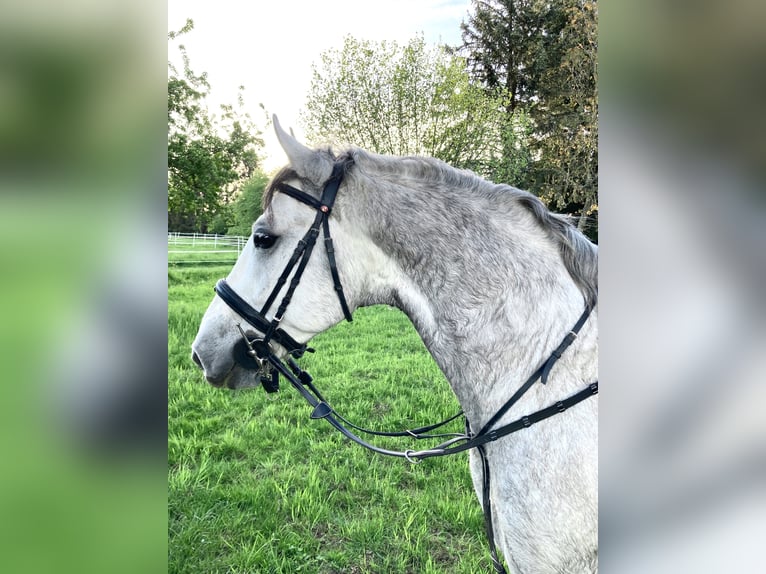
x=202, y=251
x=254, y=485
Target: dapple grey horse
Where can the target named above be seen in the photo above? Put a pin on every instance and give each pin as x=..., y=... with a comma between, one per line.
x=491, y=280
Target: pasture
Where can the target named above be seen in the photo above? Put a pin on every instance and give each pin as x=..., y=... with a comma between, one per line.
x=254, y=485
x=201, y=249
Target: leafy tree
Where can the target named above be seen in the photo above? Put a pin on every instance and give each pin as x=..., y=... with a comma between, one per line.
x=566, y=115
x=208, y=156
x=405, y=100
x=512, y=158
x=246, y=208
x=540, y=56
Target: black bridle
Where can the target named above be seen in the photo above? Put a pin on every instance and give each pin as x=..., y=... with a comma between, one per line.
x=257, y=353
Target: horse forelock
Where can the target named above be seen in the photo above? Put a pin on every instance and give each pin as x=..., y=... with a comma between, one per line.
x=287, y=173
x=283, y=175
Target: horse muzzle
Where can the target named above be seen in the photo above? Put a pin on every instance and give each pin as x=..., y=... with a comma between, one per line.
x=252, y=354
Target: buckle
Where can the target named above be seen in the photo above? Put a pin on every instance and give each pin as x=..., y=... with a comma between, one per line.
x=526, y=422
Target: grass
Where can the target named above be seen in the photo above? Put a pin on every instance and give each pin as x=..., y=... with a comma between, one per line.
x=254, y=485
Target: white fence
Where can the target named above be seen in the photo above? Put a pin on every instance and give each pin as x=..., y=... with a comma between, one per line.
x=196, y=248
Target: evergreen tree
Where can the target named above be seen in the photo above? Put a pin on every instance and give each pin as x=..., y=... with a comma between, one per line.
x=566, y=116
x=540, y=56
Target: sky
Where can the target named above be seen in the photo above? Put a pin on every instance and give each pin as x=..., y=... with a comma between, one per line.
x=269, y=46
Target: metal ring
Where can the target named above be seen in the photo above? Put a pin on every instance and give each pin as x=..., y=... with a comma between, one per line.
x=260, y=360
x=408, y=455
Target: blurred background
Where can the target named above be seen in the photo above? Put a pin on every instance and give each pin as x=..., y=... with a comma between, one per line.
x=83, y=317
x=682, y=268
x=83, y=197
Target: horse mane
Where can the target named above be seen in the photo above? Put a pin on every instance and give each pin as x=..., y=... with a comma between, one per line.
x=579, y=255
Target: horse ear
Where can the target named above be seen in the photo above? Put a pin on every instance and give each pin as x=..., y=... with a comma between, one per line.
x=308, y=163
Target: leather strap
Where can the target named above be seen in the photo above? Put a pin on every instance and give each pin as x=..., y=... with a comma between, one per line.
x=568, y=340
x=542, y=372
x=334, y=269
x=324, y=207
x=524, y=422
x=301, y=196
x=486, y=505
x=244, y=310
x=299, y=249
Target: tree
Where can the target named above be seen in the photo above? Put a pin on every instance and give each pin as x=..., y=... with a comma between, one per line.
x=404, y=100
x=246, y=208
x=208, y=156
x=541, y=57
x=566, y=116
x=507, y=46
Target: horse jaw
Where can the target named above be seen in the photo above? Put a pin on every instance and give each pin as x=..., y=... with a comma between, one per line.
x=315, y=166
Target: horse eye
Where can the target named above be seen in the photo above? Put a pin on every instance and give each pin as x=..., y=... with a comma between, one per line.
x=263, y=240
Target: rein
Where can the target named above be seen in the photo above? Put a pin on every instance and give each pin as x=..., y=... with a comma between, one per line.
x=258, y=354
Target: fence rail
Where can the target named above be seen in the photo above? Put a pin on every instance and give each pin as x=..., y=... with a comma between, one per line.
x=203, y=248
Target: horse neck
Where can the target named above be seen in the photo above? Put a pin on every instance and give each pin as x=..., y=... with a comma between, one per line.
x=485, y=289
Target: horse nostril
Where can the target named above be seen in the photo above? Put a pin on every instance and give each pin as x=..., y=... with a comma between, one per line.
x=196, y=359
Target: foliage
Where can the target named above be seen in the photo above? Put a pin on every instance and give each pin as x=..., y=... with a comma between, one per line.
x=404, y=100
x=541, y=58
x=221, y=221
x=566, y=115
x=512, y=156
x=246, y=208
x=205, y=168
x=507, y=47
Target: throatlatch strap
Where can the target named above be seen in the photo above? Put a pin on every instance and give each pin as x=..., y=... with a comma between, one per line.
x=334, y=269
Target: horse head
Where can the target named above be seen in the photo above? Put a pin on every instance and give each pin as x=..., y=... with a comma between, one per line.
x=290, y=295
